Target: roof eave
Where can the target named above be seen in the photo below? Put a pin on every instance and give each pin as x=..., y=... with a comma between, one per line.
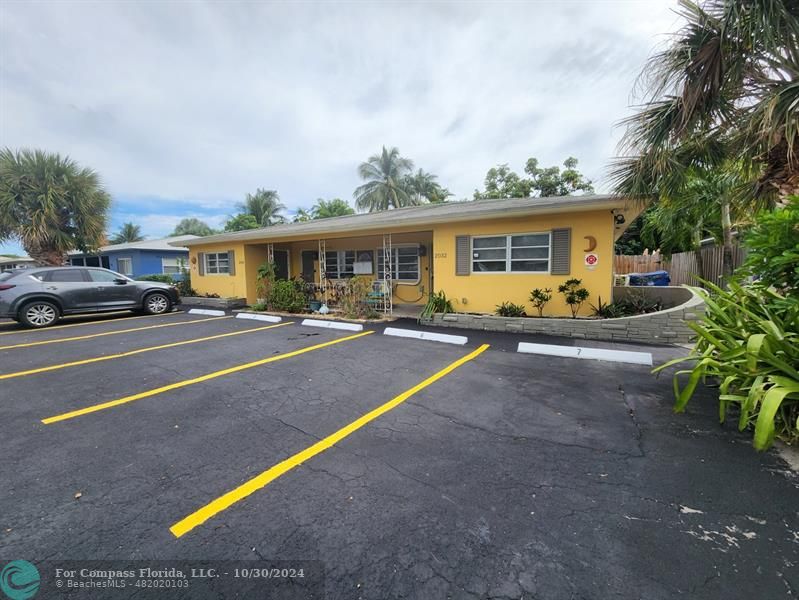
x=269, y=233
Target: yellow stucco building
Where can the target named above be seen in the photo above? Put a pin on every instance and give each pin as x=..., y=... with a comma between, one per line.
x=479, y=253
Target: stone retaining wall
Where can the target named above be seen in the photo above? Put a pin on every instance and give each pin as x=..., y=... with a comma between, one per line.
x=663, y=327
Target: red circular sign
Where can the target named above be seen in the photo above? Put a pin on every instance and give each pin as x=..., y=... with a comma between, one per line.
x=591, y=259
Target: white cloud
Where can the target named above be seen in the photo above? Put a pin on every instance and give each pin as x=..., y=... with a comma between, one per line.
x=199, y=103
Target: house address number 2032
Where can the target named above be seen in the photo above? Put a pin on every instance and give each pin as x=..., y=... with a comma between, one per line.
x=440, y=255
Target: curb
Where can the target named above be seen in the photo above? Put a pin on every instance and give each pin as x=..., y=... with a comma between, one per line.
x=254, y=317
x=622, y=356
x=332, y=325
x=460, y=340
x=207, y=311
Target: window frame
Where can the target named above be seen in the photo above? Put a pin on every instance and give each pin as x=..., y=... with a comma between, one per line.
x=341, y=264
x=395, y=264
x=121, y=270
x=509, y=254
x=178, y=260
x=216, y=256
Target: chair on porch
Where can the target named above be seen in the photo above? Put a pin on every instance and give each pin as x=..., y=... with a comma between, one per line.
x=377, y=297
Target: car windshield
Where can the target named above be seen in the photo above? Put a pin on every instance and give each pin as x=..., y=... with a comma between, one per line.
x=6, y=275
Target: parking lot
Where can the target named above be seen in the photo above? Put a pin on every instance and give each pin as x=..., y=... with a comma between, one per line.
x=408, y=468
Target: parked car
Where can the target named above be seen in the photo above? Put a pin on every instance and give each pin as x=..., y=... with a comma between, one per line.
x=38, y=297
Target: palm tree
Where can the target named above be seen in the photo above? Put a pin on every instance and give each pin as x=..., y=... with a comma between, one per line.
x=705, y=207
x=265, y=206
x=384, y=189
x=127, y=233
x=424, y=187
x=50, y=204
x=724, y=90
x=336, y=207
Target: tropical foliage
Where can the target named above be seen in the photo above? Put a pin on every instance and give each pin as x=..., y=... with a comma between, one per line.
x=336, y=207
x=385, y=187
x=574, y=294
x=50, y=204
x=241, y=222
x=748, y=340
x=773, y=249
x=539, y=298
x=423, y=187
x=192, y=226
x=127, y=233
x=501, y=182
x=723, y=91
x=264, y=206
x=510, y=309
x=437, y=303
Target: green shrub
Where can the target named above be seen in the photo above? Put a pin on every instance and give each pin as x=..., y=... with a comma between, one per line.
x=157, y=277
x=607, y=310
x=184, y=285
x=574, y=294
x=265, y=279
x=509, y=309
x=259, y=306
x=285, y=296
x=773, y=249
x=749, y=340
x=539, y=299
x=437, y=303
x=634, y=303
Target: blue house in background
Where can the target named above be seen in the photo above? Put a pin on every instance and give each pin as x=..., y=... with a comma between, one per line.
x=136, y=259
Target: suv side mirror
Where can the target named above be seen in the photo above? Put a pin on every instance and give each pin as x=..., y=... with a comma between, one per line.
x=120, y=281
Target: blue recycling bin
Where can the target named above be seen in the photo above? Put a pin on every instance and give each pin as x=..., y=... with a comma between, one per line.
x=652, y=278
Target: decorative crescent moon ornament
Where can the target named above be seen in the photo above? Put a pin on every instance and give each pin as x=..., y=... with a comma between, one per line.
x=591, y=243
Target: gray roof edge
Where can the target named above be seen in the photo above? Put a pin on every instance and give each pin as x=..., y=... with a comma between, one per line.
x=463, y=212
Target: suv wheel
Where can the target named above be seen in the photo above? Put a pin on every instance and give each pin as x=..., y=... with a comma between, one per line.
x=157, y=303
x=38, y=314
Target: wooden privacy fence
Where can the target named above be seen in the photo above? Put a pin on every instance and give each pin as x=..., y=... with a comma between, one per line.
x=683, y=267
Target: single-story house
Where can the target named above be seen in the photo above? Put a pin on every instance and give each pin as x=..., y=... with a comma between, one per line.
x=20, y=262
x=166, y=256
x=479, y=253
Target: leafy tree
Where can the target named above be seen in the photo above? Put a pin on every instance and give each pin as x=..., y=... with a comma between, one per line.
x=773, y=245
x=384, y=175
x=331, y=208
x=501, y=182
x=723, y=91
x=50, y=204
x=192, y=226
x=424, y=187
x=551, y=181
x=265, y=206
x=127, y=233
x=241, y=222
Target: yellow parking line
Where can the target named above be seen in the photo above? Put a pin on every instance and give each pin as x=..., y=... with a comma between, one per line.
x=92, y=322
x=200, y=516
x=202, y=378
x=105, y=333
x=87, y=361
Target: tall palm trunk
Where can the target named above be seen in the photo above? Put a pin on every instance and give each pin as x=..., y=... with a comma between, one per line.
x=697, y=242
x=726, y=228
x=51, y=257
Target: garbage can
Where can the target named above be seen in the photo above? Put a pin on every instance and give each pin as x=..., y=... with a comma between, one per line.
x=652, y=278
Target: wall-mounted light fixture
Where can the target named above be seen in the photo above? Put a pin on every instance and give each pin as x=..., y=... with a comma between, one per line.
x=619, y=219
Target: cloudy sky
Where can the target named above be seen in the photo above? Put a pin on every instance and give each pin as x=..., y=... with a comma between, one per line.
x=184, y=107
